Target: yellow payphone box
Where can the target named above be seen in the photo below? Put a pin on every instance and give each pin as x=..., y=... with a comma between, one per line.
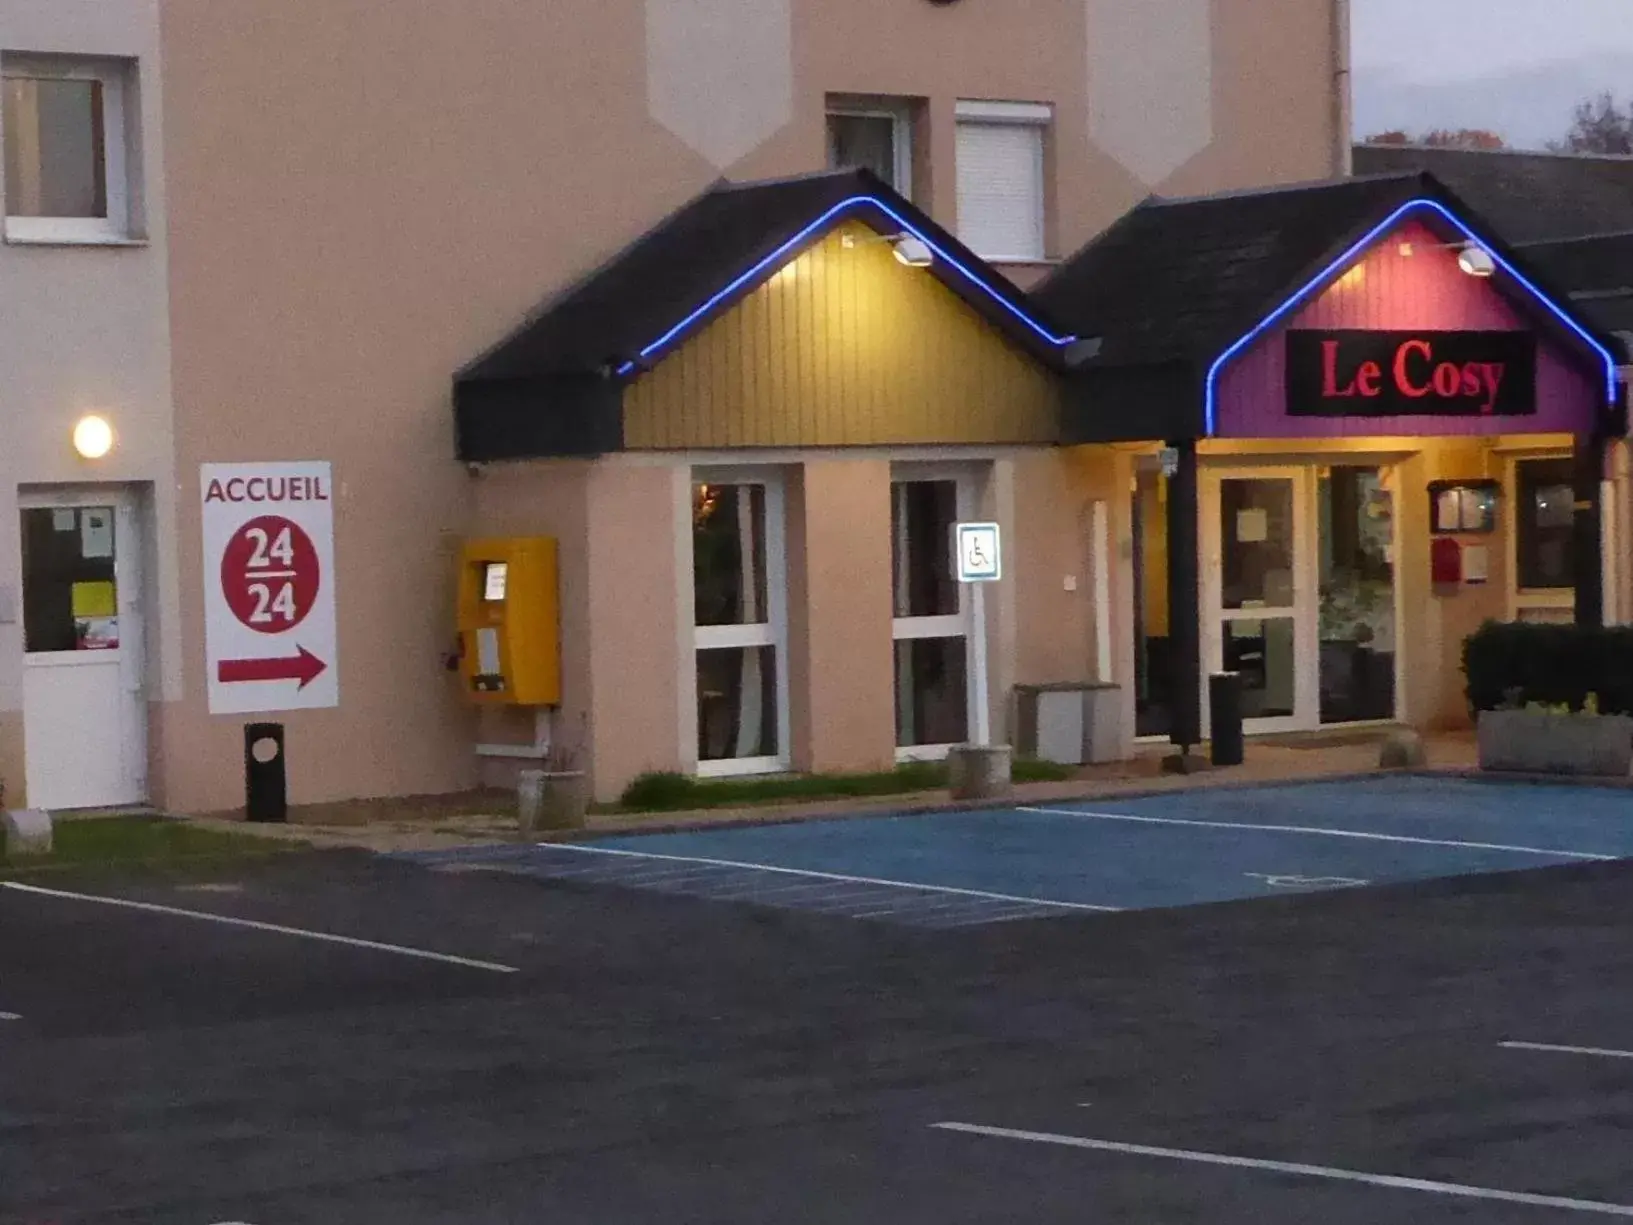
x=510, y=621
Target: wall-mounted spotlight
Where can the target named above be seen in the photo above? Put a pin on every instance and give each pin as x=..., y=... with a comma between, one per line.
x=1476, y=260
x=93, y=437
x=914, y=252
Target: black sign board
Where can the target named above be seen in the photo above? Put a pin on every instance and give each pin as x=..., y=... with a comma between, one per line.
x=1419, y=374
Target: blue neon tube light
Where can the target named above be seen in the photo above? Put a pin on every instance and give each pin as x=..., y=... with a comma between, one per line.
x=782, y=253
x=1320, y=280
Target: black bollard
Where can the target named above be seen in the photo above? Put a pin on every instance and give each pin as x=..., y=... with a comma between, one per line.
x=1225, y=715
x=266, y=794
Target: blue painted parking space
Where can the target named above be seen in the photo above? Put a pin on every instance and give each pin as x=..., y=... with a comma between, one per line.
x=955, y=869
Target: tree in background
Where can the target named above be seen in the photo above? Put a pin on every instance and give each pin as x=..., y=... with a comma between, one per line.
x=1442, y=138
x=1599, y=125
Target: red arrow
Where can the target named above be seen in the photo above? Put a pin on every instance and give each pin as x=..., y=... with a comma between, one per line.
x=303, y=666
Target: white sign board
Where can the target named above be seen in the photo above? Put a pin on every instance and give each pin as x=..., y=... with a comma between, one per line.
x=978, y=553
x=269, y=587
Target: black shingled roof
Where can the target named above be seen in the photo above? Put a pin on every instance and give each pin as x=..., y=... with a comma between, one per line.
x=1176, y=282
x=553, y=385
x=1185, y=278
x=1527, y=196
x=1599, y=272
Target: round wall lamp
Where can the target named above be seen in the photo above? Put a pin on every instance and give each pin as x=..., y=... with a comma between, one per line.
x=1476, y=261
x=914, y=252
x=93, y=437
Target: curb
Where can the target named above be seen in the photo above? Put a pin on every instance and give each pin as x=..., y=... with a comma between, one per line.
x=694, y=822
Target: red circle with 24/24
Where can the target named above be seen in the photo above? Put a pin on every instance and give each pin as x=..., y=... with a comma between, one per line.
x=270, y=574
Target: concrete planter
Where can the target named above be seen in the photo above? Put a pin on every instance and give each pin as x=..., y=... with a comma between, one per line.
x=550, y=800
x=1536, y=742
x=980, y=772
x=25, y=833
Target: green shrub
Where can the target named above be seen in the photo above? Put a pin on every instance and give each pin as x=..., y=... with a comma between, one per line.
x=1512, y=665
x=1031, y=770
x=669, y=792
x=655, y=792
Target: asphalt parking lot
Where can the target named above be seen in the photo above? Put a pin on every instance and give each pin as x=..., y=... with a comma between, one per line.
x=383, y=1041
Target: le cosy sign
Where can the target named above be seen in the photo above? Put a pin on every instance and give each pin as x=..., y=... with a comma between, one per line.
x=1419, y=374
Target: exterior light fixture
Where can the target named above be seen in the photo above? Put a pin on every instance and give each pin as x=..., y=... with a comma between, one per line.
x=93, y=437
x=914, y=252
x=1476, y=260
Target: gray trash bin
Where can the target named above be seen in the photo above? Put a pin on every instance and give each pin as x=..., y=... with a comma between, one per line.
x=1073, y=723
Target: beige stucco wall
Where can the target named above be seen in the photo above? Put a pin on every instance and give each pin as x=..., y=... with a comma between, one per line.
x=841, y=664
x=1444, y=618
x=635, y=514
x=617, y=585
x=86, y=329
x=364, y=197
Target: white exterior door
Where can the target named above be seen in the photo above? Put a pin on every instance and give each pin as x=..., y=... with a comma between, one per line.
x=740, y=623
x=1259, y=599
x=931, y=621
x=84, y=705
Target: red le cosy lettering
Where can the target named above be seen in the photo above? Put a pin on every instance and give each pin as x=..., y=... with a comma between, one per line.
x=1415, y=374
x=257, y=489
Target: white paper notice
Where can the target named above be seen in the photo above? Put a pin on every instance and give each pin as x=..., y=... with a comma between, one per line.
x=1252, y=526
x=96, y=532
x=1476, y=564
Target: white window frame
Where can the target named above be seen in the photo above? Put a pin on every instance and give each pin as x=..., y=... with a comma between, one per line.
x=901, y=146
x=946, y=625
x=773, y=632
x=1038, y=115
x=115, y=228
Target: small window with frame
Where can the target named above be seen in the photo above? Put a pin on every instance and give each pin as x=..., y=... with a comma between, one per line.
x=875, y=133
x=66, y=162
x=1544, y=523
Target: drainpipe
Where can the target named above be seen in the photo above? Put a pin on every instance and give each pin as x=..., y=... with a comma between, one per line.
x=1343, y=159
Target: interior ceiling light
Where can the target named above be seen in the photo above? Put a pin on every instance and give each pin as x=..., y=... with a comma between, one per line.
x=914, y=252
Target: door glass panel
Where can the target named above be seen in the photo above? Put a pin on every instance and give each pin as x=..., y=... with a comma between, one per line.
x=1264, y=651
x=729, y=555
x=1153, y=675
x=1357, y=619
x=931, y=700
x=736, y=703
x=922, y=515
x=1256, y=531
x=70, y=595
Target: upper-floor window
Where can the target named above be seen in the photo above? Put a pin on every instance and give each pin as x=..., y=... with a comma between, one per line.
x=1001, y=195
x=65, y=149
x=873, y=132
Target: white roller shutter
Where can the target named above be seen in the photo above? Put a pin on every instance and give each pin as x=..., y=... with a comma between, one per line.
x=1000, y=188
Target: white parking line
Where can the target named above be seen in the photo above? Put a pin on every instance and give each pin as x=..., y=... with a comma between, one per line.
x=1550, y=1048
x=255, y=925
x=582, y=849
x=1363, y=835
x=11, y=1016
x=1390, y=1181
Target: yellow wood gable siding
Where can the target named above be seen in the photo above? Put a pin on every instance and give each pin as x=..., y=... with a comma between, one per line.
x=846, y=346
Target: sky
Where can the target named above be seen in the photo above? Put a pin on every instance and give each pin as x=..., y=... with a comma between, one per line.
x=1515, y=66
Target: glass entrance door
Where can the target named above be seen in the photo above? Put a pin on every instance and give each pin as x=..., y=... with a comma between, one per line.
x=1356, y=514
x=1259, y=598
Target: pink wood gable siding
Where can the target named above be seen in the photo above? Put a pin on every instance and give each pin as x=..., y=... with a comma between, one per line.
x=1392, y=292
